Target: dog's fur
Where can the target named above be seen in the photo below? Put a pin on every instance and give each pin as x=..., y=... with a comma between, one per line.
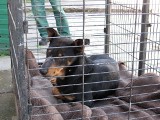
x=101, y=73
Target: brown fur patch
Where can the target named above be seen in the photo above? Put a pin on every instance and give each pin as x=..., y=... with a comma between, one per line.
x=55, y=71
x=56, y=92
x=69, y=61
x=69, y=97
x=53, y=81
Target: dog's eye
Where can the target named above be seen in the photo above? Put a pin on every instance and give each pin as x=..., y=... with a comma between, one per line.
x=59, y=55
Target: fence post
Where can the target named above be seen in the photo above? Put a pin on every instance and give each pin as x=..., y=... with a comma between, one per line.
x=18, y=57
x=107, y=29
x=144, y=35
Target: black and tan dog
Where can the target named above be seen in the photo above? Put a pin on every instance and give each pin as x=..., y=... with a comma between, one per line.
x=87, y=78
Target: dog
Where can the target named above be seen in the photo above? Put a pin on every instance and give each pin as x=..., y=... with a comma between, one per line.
x=84, y=78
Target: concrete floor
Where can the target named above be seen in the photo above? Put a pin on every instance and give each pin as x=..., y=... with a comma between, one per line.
x=7, y=100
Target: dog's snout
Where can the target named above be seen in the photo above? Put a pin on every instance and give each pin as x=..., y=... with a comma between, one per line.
x=44, y=68
x=43, y=71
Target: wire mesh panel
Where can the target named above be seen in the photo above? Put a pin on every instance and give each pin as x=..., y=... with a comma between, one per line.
x=87, y=59
x=135, y=24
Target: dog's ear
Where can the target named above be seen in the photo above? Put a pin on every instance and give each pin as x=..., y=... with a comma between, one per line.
x=52, y=33
x=79, y=44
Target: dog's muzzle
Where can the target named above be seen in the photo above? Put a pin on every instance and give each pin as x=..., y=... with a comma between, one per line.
x=48, y=62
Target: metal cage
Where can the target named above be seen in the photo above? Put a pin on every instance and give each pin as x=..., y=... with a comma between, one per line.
x=127, y=31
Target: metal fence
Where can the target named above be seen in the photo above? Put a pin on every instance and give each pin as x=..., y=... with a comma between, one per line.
x=127, y=31
x=137, y=22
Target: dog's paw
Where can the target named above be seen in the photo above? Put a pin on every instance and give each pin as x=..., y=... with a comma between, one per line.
x=57, y=93
x=53, y=81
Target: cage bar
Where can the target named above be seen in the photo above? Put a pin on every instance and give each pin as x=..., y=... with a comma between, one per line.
x=144, y=36
x=107, y=28
x=18, y=58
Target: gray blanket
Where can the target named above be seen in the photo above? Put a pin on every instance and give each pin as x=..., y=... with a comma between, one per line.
x=135, y=98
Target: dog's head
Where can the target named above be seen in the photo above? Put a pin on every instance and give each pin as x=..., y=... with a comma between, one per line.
x=62, y=52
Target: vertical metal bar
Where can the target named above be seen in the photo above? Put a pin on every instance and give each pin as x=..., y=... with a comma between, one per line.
x=133, y=62
x=144, y=35
x=107, y=29
x=21, y=67
x=21, y=63
x=83, y=87
x=17, y=55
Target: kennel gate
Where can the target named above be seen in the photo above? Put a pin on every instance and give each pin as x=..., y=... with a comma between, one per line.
x=130, y=31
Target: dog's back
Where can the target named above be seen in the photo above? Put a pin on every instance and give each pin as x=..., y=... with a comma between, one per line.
x=105, y=76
